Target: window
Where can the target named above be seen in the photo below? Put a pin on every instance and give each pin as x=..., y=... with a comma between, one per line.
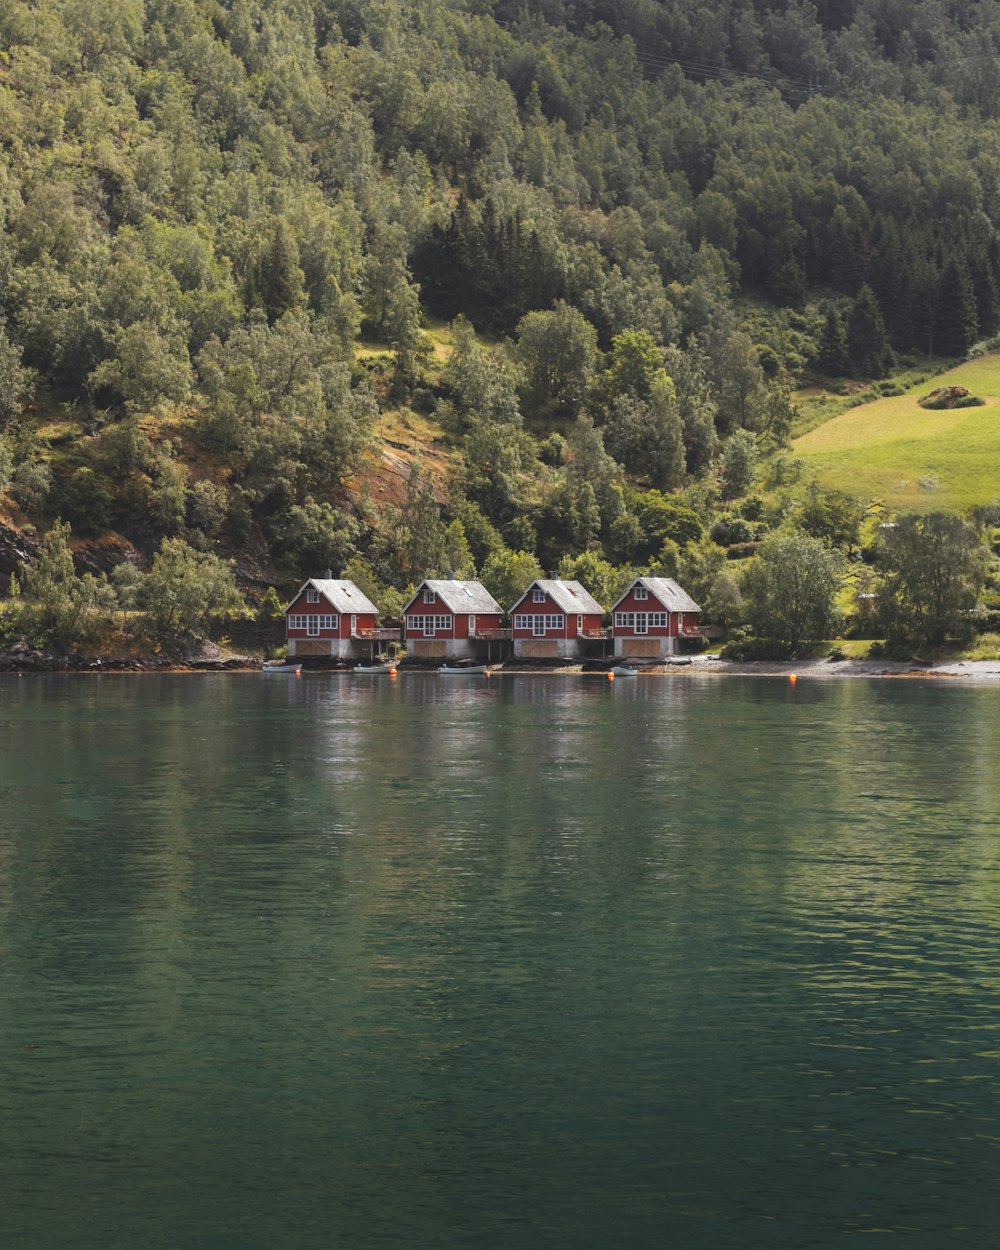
x=538, y=595
x=657, y=620
x=312, y=625
x=427, y=624
x=538, y=626
x=430, y=596
x=641, y=593
x=296, y=622
x=312, y=596
x=328, y=622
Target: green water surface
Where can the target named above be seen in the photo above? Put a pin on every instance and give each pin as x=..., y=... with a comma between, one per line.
x=521, y=962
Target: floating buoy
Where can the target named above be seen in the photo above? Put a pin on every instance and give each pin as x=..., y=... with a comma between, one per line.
x=487, y=673
x=392, y=672
x=792, y=678
x=611, y=676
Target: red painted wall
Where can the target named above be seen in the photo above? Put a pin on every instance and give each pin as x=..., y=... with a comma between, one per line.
x=675, y=620
x=459, y=622
x=365, y=620
x=526, y=606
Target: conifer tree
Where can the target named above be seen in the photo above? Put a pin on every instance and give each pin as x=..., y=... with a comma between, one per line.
x=867, y=342
x=831, y=356
x=956, y=311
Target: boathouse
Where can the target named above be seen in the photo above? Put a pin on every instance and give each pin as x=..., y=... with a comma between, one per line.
x=554, y=620
x=651, y=616
x=331, y=618
x=451, y=619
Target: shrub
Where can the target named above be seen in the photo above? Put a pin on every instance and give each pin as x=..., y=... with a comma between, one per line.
x=745, y=649
x=741, y=551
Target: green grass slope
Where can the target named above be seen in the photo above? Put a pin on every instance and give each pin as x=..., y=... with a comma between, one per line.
x=912, y=459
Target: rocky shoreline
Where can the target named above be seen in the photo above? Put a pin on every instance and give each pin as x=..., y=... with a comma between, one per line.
x=28, y=660
x=23, y=659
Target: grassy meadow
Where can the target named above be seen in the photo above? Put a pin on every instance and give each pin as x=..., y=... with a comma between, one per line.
x=909, y=458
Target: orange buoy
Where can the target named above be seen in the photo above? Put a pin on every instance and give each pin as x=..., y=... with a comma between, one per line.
x=392, y=672
x=611, y=676
x=792, y=678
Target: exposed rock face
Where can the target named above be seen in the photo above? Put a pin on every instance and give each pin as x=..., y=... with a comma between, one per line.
x=15, y=549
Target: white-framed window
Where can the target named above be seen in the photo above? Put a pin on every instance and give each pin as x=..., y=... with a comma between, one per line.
x=541, y=623
x=327, y=622
x=641, y=622
x=295, y=621
x=312, y=595
x=312, y=625
x=430, y=596
x=428, y=625
x=641, y=593
x=538, y=595
x=579, y=624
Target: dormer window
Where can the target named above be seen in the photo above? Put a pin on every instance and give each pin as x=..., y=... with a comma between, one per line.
x=312, y=596
x=537, y=595
x=641, y=593
x=430, y=596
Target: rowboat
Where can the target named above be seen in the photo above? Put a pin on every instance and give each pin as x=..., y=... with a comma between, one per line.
x=623, y=670
x=369, y=669
x=451, y=669
x=275, y=666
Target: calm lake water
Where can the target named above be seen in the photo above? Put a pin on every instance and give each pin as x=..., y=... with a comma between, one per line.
x=521, y=962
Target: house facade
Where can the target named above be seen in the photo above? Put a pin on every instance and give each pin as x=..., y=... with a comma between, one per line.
x=450, y=619
x=554, y=620
x=330, y=618
x=650, y=616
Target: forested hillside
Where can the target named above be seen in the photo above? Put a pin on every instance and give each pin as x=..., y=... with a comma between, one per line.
x=570, y=259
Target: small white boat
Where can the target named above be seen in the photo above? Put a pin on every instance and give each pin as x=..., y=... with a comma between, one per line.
x=275, y=666
x=368, y=669
x=451, y=669
x=623, y=670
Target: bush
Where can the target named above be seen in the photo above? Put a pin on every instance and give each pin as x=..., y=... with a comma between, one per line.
x=744, y=649
x=741, y=551
x=729, y=529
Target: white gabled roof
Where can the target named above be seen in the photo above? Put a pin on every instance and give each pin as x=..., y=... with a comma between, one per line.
x=342, y=596
x=570, y=596
x=459, y=597
x=666, y=590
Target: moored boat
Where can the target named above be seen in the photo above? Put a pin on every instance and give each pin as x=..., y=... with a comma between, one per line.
x=281, y=666
x=450, y=670
x=369, y=669
x=623, y=670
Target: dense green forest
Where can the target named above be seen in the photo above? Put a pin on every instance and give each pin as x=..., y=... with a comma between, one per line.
x=584, y=251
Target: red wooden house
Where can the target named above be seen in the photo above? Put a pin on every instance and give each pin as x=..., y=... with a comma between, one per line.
x=331, y=618
x=650, y=616
x=554, y=619
x=450, y=620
